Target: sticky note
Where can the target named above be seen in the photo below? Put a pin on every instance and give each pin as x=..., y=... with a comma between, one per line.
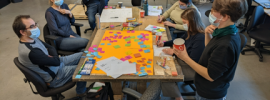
x=95, y=49
x=123, y=59
x=136, y=40
x=115, y=34
x=146, y=34
x=128, y=42
x=94, y=46
x=118, y=32
x=88, y=55
x=161, y=29
x=132, y=31
x=148, y=66
x=142, y=71
x=143, y=59
x=114, y=40
x=140, y=43
x=90, y=58
x=147, y=37
x=154, y=27
x=136, y=73
x=102, y=43
x=142, y=74
x=149, y=71
x=98, y=56
x=128, y=57
x=142, y=67
x=137, y=55
x=130, y=61
x=116, y=46
x=128, y=31
x=139, y=36
x=128, y=52
x=140, y=50
x=147, y=46
x=139, y=61
x=102, y=51
x=132, y=37
x=142, y=46
x=97, y=69
x=78, y=76
x=85, y=51
x=111, y=32
x=146, y=51
x=108, y=43
x=174, y=73
x=127, y=45
x=144, y=64
x=149, y=62
x=99, y=49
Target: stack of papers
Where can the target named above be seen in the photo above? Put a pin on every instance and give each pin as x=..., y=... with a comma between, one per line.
x=115, y=67
x=158, y=51
x=116, y=15
x=154, y=10
x=157, y=28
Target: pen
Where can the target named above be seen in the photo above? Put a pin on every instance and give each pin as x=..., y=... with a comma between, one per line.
x=114, y=17
x=81, y=68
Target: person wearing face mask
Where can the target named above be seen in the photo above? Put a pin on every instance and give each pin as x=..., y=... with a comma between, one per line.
x=173, y=16
x=43, y=58
x=216, y=67
x=194, y=42
x=59, y=19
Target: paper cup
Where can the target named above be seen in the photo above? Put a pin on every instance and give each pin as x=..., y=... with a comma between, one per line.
x=158, y=37
x=179, y=44
x=120, y=4
x=142, y=13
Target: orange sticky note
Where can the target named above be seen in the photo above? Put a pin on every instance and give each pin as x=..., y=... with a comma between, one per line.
x=174, y=74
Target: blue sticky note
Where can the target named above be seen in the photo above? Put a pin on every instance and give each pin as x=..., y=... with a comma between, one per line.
x=142, y=46
x=109, y=44
x=142, y=71
x=136, y=73
x=142, y=67
x=139, y=36
x=95, y=49
x=78, y=76
x=102, y=44
x=98, y=56
x=142, y=75
x=115, y=34
x=148, y=66
x=88, y=55
x=85, y=51
x=146, y=51
x=149, y=62
x=90, y=58
x=97, y=69
x=134, y=63
x=96, y=53
x=140, y=43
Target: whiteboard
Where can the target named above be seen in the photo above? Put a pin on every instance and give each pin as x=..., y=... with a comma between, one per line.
x=116, y=15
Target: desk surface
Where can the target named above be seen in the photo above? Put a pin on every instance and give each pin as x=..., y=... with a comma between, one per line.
x=163, y=75
x=267, y=11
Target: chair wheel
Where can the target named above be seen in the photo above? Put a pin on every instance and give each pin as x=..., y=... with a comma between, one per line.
x=243, y=53
x=261, y=59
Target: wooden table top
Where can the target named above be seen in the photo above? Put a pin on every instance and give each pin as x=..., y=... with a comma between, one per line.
x=159, y=72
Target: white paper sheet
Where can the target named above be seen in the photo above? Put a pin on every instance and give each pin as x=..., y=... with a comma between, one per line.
x=108, y=15
x=149, y=27
x=105, y=64
x=154, y=11
x=158, y=50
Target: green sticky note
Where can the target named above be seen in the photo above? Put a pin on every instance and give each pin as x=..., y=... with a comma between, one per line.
x=96, y=88
x=116, y=46
x=136, y=40
x=127, y=45
x=147, y=46
x=158, y=31
x=127, y=39
x=132, y=37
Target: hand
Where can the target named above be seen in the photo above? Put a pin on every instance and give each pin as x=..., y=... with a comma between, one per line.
x=50, y=56
x=210, y=29
x=160, y=44
x=64, y=11
x=168, y=51
x=71, y=36
x=160, y=19
x=181, y=54
x=169, y=24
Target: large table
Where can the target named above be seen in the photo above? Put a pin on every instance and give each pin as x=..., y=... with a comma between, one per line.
x=159, y=73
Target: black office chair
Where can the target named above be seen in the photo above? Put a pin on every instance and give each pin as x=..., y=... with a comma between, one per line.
x=50, y=39
x=151, y=93
x=247, y=16
x=39, y=83
x=136, y=2
x=258, y=31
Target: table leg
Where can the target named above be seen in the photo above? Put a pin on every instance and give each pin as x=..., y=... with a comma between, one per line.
x=117, y=87
x=141, y=87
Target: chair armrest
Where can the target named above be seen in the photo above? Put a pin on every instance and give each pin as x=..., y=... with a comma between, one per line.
x=132, y=92
x=77, y=25
x=51, y=37
x=179, y=31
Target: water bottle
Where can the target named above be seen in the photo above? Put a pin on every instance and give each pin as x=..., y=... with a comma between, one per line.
x=145, y=8
x=97, y=16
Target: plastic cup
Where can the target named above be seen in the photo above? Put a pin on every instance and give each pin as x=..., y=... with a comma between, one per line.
x=142, y=13
x=179, y=44
x=158, y=37
x=120, y=4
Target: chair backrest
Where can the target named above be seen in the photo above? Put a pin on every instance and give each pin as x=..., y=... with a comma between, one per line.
x=45, y=33
x=243, y=41
x=136, y=2
x=33, y=77
x=153, y=91
x=257, y=18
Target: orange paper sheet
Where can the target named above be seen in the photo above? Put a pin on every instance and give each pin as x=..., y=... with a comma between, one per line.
x=124, y=51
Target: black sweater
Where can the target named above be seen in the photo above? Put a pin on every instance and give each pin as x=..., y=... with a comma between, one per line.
x=194, y=45
x=220, y=57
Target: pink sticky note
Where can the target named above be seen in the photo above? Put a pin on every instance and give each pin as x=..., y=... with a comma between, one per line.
x=146, y=39
x=146, y=34
x=128, y=42
x=111, y=32
x=114, y=40
x=94, y=46
x=104, y=39
x=123, y=59
x=92, y=51
x=143, y=40
x=102, y=51
x=154, y=27
x=99, y=49
x=128, y=31
x=118, y=32
x=140, y=50
x=128, y=37
x=114, y=37
x=128, y=57
x=132, y=31
x=111, y=41
x=142, y=33
x=119, y=37
x=111, y=36
x=124, y=37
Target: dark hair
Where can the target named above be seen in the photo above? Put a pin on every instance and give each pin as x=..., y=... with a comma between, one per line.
x=18, y=24
x=186, y=1
x=233, y=8
x=195, y=23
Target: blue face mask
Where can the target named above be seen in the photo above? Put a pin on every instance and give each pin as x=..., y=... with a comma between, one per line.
x=212, y=19
x=35, y=33
x=185, y=27
x=58, y=2
x=183, y=7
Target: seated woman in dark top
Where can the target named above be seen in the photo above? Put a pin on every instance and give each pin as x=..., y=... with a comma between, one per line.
x=194, y=44
x=59, y=18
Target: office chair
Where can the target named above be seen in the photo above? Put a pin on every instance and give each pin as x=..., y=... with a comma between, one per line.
x=247, y=16
x=151, y=93
x=4, y=3
x=39, y=83
x=258, y=31
x=50, y=39
x=136, y=2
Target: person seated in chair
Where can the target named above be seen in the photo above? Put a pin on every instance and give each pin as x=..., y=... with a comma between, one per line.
x=173, y=15
x=194, y=43
x=43, y=58
x=59, y=18
x=216, y=67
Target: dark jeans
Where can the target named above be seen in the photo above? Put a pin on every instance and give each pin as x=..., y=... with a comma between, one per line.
x=73, y=44
x=92, y=9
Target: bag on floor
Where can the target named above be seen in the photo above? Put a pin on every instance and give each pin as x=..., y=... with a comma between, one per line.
x=103, y=94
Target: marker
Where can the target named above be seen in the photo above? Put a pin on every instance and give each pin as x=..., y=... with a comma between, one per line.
x=114, y=17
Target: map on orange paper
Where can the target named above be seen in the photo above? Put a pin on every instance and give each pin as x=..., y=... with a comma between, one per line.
x=134, y=46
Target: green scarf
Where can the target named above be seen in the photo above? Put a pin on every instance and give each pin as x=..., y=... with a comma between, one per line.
x=229, y=30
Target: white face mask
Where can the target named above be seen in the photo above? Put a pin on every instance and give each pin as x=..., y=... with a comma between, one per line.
x=185, y=27
x=212, y=19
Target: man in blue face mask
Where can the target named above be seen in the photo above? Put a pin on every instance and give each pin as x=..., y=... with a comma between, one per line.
x=43, y=58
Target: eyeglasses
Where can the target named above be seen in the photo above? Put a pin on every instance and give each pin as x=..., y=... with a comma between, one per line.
x=33, y=26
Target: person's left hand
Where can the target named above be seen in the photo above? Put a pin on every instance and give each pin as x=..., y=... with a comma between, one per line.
x=181, y=54
x=169, y=24
x=64, y=11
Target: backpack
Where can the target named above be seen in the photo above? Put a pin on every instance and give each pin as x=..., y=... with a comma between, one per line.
x=103, y=94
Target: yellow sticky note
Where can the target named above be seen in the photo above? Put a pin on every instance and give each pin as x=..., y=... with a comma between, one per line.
x=147, y=37
x=161, y=29
x=128, y=52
